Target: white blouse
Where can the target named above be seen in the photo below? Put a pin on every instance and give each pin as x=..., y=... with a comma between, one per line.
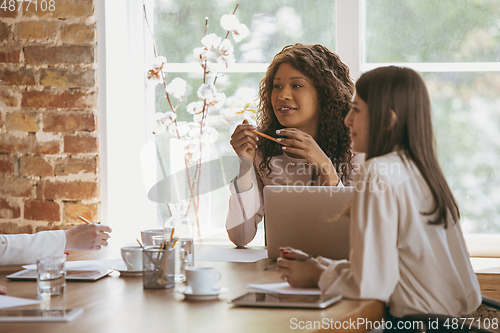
x=396, y=256
x=23, y=249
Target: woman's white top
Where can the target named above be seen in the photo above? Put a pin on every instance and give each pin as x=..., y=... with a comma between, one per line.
x=23, y=249
x=396, y=256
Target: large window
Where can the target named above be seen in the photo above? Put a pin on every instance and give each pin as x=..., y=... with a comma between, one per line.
x=179, y=26
x=456, y=47
x=454, y=44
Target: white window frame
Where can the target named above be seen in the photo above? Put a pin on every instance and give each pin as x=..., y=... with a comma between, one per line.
x=122, y=124
x=123, y=100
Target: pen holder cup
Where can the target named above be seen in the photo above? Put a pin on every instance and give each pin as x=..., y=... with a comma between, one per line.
x=158, y=268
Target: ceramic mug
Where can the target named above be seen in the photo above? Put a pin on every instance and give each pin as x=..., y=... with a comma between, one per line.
x=157, y=240
x=146, y=236
x=202, y=279
x=132, y=256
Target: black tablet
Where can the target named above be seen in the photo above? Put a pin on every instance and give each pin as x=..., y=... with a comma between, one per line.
x=273, y=300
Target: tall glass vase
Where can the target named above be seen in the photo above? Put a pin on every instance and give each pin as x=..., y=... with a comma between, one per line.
x=186, y=178
x=183, y=235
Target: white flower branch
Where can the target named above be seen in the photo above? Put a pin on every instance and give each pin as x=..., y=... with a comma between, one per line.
x=199, y=132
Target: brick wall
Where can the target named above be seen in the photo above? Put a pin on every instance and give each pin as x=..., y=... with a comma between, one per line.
x=48, y=127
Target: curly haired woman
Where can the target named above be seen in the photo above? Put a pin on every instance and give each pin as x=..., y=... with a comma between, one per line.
x=304, y=98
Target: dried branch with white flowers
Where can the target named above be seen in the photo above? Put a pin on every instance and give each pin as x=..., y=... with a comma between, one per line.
x=199, y=132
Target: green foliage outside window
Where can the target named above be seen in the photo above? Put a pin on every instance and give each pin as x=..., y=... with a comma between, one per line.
x=465, y=105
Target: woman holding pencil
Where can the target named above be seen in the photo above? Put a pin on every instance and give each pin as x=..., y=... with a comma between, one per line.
x=300, y=139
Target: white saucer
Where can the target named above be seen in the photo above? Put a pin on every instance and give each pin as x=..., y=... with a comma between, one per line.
x=188, y=293
x=125, y=272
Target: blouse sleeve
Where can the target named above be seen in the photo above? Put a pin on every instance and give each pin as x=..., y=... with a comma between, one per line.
x=246, y=210
x=373, y=270
x=23, y=249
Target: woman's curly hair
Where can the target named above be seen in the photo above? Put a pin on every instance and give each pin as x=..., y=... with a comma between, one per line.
x=335, y=89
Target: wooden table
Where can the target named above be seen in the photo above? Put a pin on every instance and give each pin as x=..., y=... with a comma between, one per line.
x=120, y=304
x=490, y=285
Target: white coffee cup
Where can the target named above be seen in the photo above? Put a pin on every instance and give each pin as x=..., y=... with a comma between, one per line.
x=132, y=256
x=157, y=240
x=146, y=236
x=202, y=279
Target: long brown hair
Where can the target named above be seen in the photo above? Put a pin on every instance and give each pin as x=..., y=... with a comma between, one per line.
x=403, y=91
x=335, y=88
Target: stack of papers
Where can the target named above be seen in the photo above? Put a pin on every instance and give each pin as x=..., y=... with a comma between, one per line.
x=232, y=255
x=86, y=265
x=10, y=302
x=285, y=288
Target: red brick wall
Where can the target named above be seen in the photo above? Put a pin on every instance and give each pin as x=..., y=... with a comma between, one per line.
x=49, y=152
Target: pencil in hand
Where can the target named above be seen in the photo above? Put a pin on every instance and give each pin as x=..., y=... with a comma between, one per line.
x=84, y=219
x=300, y=259
x=268, y=137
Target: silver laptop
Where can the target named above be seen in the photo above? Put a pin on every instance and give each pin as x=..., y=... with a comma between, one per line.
x=300, y=217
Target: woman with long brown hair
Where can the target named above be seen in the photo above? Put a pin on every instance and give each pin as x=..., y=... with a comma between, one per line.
x=304, y=98
x=406, y=245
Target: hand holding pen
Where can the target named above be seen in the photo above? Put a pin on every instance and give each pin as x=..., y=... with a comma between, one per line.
x=299, y=269
x=87, y=236
x=299, y=259
x=245, y=138
x=244, y=141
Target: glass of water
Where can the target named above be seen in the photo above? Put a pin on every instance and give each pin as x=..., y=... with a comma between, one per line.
x=51, y=276
x=183, y=235
x=184, y=258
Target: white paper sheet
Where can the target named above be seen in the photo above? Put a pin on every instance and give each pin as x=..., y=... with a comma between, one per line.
x=284, y=288
x=86, y=265
x=10, y=302
x=232, y=255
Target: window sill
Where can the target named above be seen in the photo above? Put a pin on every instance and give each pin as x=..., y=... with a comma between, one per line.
x=483, y=245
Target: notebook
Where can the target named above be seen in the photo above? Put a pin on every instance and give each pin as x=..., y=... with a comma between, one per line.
x=298, y=216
